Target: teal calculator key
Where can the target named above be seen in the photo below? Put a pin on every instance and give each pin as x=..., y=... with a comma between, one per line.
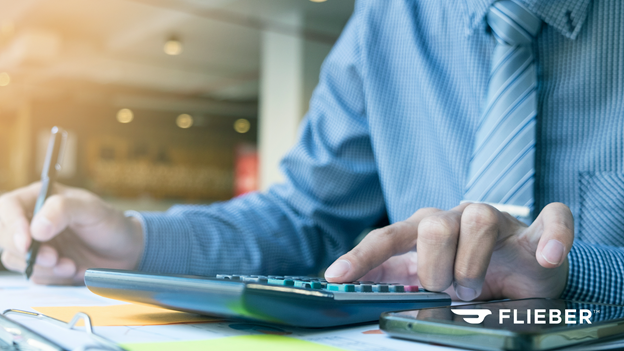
x=284, y=282
x=308, y=285
x=380, y=288
x=364, y=288
x=396, y=288
x=341, y=287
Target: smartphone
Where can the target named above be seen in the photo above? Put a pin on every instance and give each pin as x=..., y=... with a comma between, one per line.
x=528, y=324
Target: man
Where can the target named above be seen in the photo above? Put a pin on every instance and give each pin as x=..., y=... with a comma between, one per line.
x=420, y=105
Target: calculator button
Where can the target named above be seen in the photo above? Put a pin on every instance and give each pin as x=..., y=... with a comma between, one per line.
x=254, y=279
x=228, y=277
x=308, y=285
x=380, y=288
x=396, y=288
x=364, y=288
x=341, y=287
x=411, y=288
x=285, y=282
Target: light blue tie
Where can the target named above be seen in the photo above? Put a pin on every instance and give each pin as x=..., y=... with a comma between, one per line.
x=502, y=168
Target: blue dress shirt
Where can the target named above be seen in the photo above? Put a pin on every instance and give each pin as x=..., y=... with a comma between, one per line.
x=391, y=128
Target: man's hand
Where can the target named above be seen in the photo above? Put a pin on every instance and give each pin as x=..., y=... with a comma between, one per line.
x=78, y=230
x=480, y=252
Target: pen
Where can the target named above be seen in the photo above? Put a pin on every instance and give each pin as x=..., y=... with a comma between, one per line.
x=48, y=175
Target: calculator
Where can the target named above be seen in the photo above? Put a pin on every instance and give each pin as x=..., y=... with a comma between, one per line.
x=298, y=301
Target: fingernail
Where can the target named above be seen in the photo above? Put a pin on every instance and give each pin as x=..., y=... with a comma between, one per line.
x=41, y=227
x=20, y=242
x=553, y=252
x=338, y=269
x=464, y=293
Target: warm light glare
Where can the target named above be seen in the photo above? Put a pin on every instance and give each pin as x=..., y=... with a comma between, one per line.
x=5, y=79
x=184, y=121
x=7, y=29
x=125, y=115
x=241, y=125
x=173, y=47
x=318, y=0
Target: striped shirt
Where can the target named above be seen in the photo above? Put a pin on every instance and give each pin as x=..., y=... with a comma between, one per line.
x=391, y=129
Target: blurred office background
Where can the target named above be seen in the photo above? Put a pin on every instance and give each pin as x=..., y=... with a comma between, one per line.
x=166, y=101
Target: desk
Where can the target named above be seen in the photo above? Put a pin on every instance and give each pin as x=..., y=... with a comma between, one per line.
x=16, y=292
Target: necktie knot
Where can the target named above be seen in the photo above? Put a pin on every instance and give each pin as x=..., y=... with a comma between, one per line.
x=512, y=23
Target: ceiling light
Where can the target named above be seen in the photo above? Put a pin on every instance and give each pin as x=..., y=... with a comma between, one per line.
x=173, y=46
x=5, y=79
x=184, y=121
x=241, y=125
x=125, y=115
x=318, y=0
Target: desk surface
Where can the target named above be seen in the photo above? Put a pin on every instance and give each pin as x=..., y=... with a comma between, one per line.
x=17, y=293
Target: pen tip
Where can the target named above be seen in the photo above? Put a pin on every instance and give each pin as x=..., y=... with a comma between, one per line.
x=28, y=272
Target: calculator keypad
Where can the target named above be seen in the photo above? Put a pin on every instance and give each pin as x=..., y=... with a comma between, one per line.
x=315, y=283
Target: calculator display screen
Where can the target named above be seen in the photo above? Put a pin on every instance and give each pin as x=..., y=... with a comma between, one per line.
x=522, y=316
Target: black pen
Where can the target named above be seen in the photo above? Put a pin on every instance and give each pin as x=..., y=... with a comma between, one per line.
x=48, y=175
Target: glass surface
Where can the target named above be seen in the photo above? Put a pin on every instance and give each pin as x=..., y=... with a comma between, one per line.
x=520, y=315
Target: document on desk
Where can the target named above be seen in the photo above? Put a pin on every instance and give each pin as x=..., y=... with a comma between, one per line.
x=234, y=343
x=18, y=294
x=124, y=315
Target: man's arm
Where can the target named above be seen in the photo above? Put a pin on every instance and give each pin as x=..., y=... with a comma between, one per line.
x=596, y=274
x=330, y=194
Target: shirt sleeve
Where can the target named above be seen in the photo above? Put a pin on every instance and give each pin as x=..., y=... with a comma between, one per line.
x=330, y=194
x=596, y=274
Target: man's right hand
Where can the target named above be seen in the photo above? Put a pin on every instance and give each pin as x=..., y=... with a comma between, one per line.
x=78, y=231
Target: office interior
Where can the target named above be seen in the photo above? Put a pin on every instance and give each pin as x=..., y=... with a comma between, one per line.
x=165, y=101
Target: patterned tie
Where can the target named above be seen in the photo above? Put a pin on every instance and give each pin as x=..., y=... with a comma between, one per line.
x=502, y=167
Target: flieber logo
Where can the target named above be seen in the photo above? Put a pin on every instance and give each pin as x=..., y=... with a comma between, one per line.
x=537, y=316
x=479, y=313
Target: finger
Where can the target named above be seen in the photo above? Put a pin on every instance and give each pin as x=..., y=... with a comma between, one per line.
x=47, y=256
x=13, y=262
x=56, y=214
x=376, y=274
x=63, y=273
x=378, y=246
x=437, y=245
x=70, y=209
x=401, y=269
x=15, y=210
x=556, y=225
x=480, y=225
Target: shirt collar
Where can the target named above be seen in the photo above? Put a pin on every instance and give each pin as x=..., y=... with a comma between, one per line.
x=567, y=16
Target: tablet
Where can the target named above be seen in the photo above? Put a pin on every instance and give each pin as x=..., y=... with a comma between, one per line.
x=528, y=324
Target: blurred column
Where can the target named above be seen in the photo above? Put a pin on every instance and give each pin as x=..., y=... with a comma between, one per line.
x=281, y=98
x=21, y=146
x=290, y=67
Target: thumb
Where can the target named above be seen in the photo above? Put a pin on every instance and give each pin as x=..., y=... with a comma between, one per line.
x=52, y=218
x=556, y=225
